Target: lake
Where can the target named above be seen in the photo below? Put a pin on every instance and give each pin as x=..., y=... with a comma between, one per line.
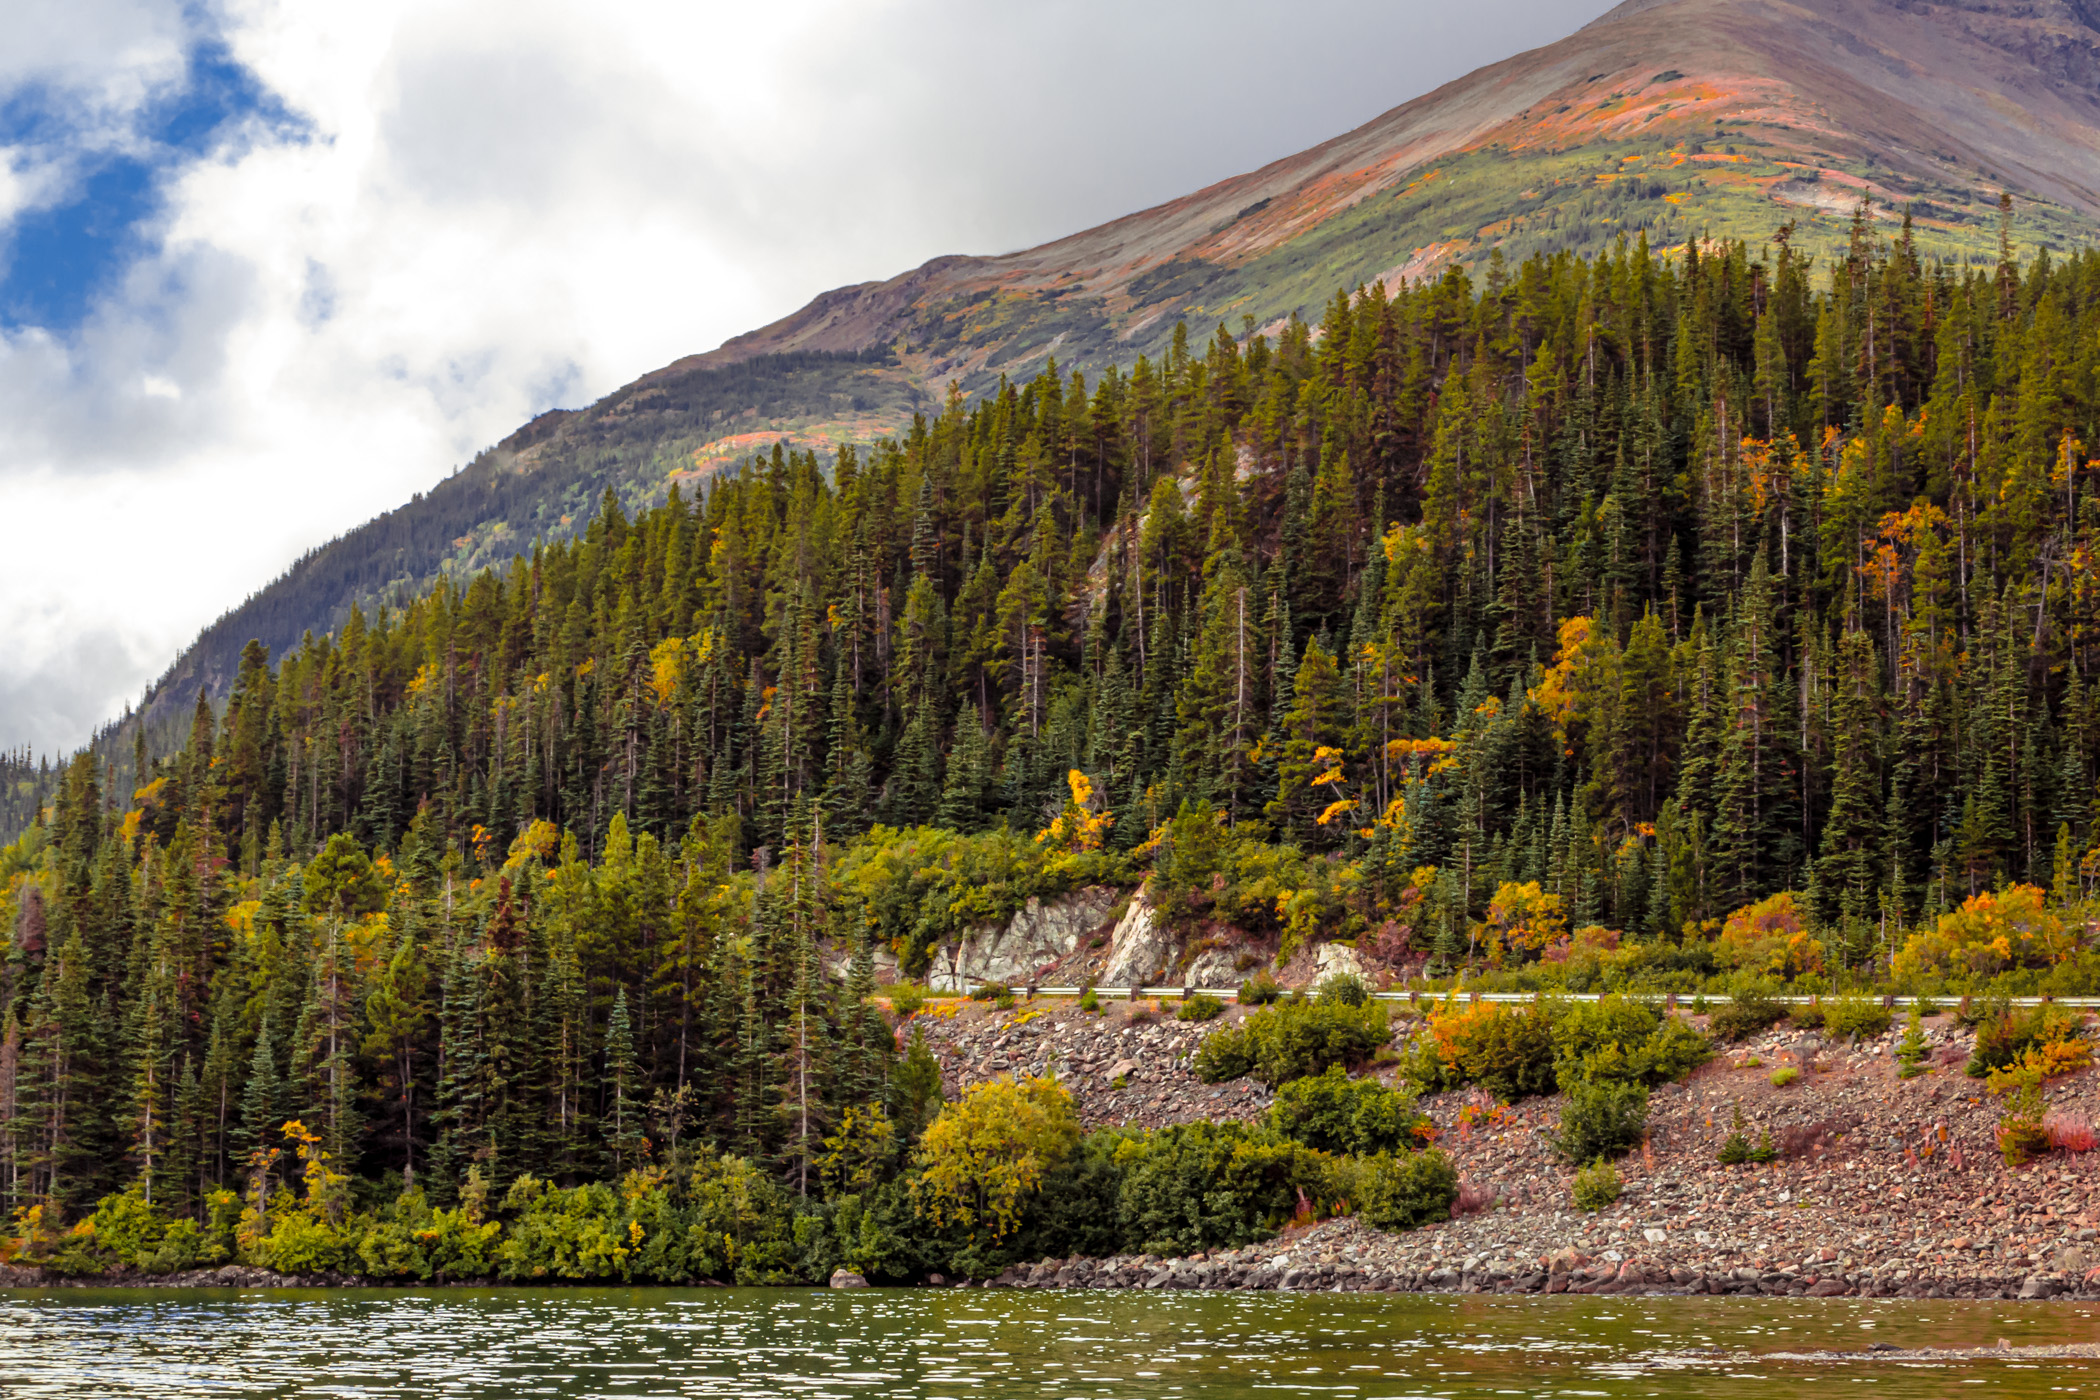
x=970, y=1343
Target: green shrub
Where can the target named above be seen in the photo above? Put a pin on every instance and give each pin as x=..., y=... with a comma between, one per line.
x=1783, y=1077
x=1260, y=990
x=1422, y=1066
x=2022, y=1134
x=906, y=998
x=1911, y=1052
x=727, y=1221
x=125, y=1228
x=183, y=1245
x=1075, y=1211
x=1400, y=1192
x=1735, y=1148
x=1507, y=1050
x=1971, y=1012
x=1344, y=987
x=1855, y=1016
x=991, y=991
x=1200, y=1007
x=1209, y=1185
x=575, y=1233
x=411, y=1240
x=1749, y=1012
x=1089, y=1000
x=1601, y=1119
x=1617, y=1038
x=1206, y=872
x=1330, y=1112
x=1596, y=1186
x=1281, y=1043
x=1674, y=1051
x=740, y=1226
x=125, y=1231
x=1583, y=1029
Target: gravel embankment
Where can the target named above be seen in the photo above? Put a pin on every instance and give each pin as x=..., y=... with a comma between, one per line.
x=1885, y=1188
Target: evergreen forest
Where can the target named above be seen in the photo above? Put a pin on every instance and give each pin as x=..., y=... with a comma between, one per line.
x=1634, y=620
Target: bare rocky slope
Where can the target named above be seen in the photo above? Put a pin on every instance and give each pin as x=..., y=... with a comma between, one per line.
x=1884, y=1187
x=1674, y=119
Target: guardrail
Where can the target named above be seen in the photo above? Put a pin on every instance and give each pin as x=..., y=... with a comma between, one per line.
x=1417, y=997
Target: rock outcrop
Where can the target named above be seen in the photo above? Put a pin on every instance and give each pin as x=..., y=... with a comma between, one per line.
x=1142, y=947
x=1335, y=960
x=1027, y=946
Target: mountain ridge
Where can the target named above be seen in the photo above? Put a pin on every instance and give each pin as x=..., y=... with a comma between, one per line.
x=1664, y=119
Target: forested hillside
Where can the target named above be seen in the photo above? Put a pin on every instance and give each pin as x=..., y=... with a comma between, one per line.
x=1669, y=120
x=1611, y=595
x=538, y=484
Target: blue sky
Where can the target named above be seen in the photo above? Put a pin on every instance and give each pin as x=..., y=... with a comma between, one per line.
x=269, y=267
x=59, y=258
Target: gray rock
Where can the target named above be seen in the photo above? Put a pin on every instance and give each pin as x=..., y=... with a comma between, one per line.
x=1336, y=960
x=846, y=1278
x=1213, y=969
x=1141, y=948
x=1040, y=934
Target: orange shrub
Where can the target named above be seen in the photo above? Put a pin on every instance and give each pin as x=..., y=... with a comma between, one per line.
x=1989, y=934
x=1769, y=936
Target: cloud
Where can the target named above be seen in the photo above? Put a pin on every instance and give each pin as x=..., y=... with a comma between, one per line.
x=366, y=240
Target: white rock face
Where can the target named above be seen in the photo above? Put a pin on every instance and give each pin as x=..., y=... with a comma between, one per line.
x=1141, y=949
x=1013, y=953
x=1213, y=969
x=1332, y=959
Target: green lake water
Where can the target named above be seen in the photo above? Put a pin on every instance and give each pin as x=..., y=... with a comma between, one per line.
x=964, y=1343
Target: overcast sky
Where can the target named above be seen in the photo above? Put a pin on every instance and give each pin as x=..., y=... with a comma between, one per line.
x=268, y=268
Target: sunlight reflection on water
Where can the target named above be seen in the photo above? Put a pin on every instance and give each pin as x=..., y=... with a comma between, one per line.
x=816, y=1345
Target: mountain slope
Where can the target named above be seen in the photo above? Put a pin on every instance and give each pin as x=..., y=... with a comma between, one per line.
x=1673, y=119
x=1677, y=117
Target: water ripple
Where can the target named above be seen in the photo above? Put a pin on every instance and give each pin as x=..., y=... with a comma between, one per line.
x=579, y=1344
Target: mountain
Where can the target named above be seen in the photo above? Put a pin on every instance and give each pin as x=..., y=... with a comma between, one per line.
x=1669, y=119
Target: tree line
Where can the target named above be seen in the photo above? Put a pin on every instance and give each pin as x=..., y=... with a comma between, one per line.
x=1655, y=585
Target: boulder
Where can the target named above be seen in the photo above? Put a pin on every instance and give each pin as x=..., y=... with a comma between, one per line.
x=1015, y=952
x=1213, y=969
x=846, y=1278
x=1336, y=960
x=1141, y=948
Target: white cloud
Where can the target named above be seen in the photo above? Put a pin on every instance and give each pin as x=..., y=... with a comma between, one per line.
x=497, y=205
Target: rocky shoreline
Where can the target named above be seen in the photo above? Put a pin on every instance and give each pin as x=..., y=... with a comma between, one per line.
x=1342, y=1256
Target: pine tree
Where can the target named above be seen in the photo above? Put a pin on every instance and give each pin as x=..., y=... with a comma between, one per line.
x=623, y=1083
